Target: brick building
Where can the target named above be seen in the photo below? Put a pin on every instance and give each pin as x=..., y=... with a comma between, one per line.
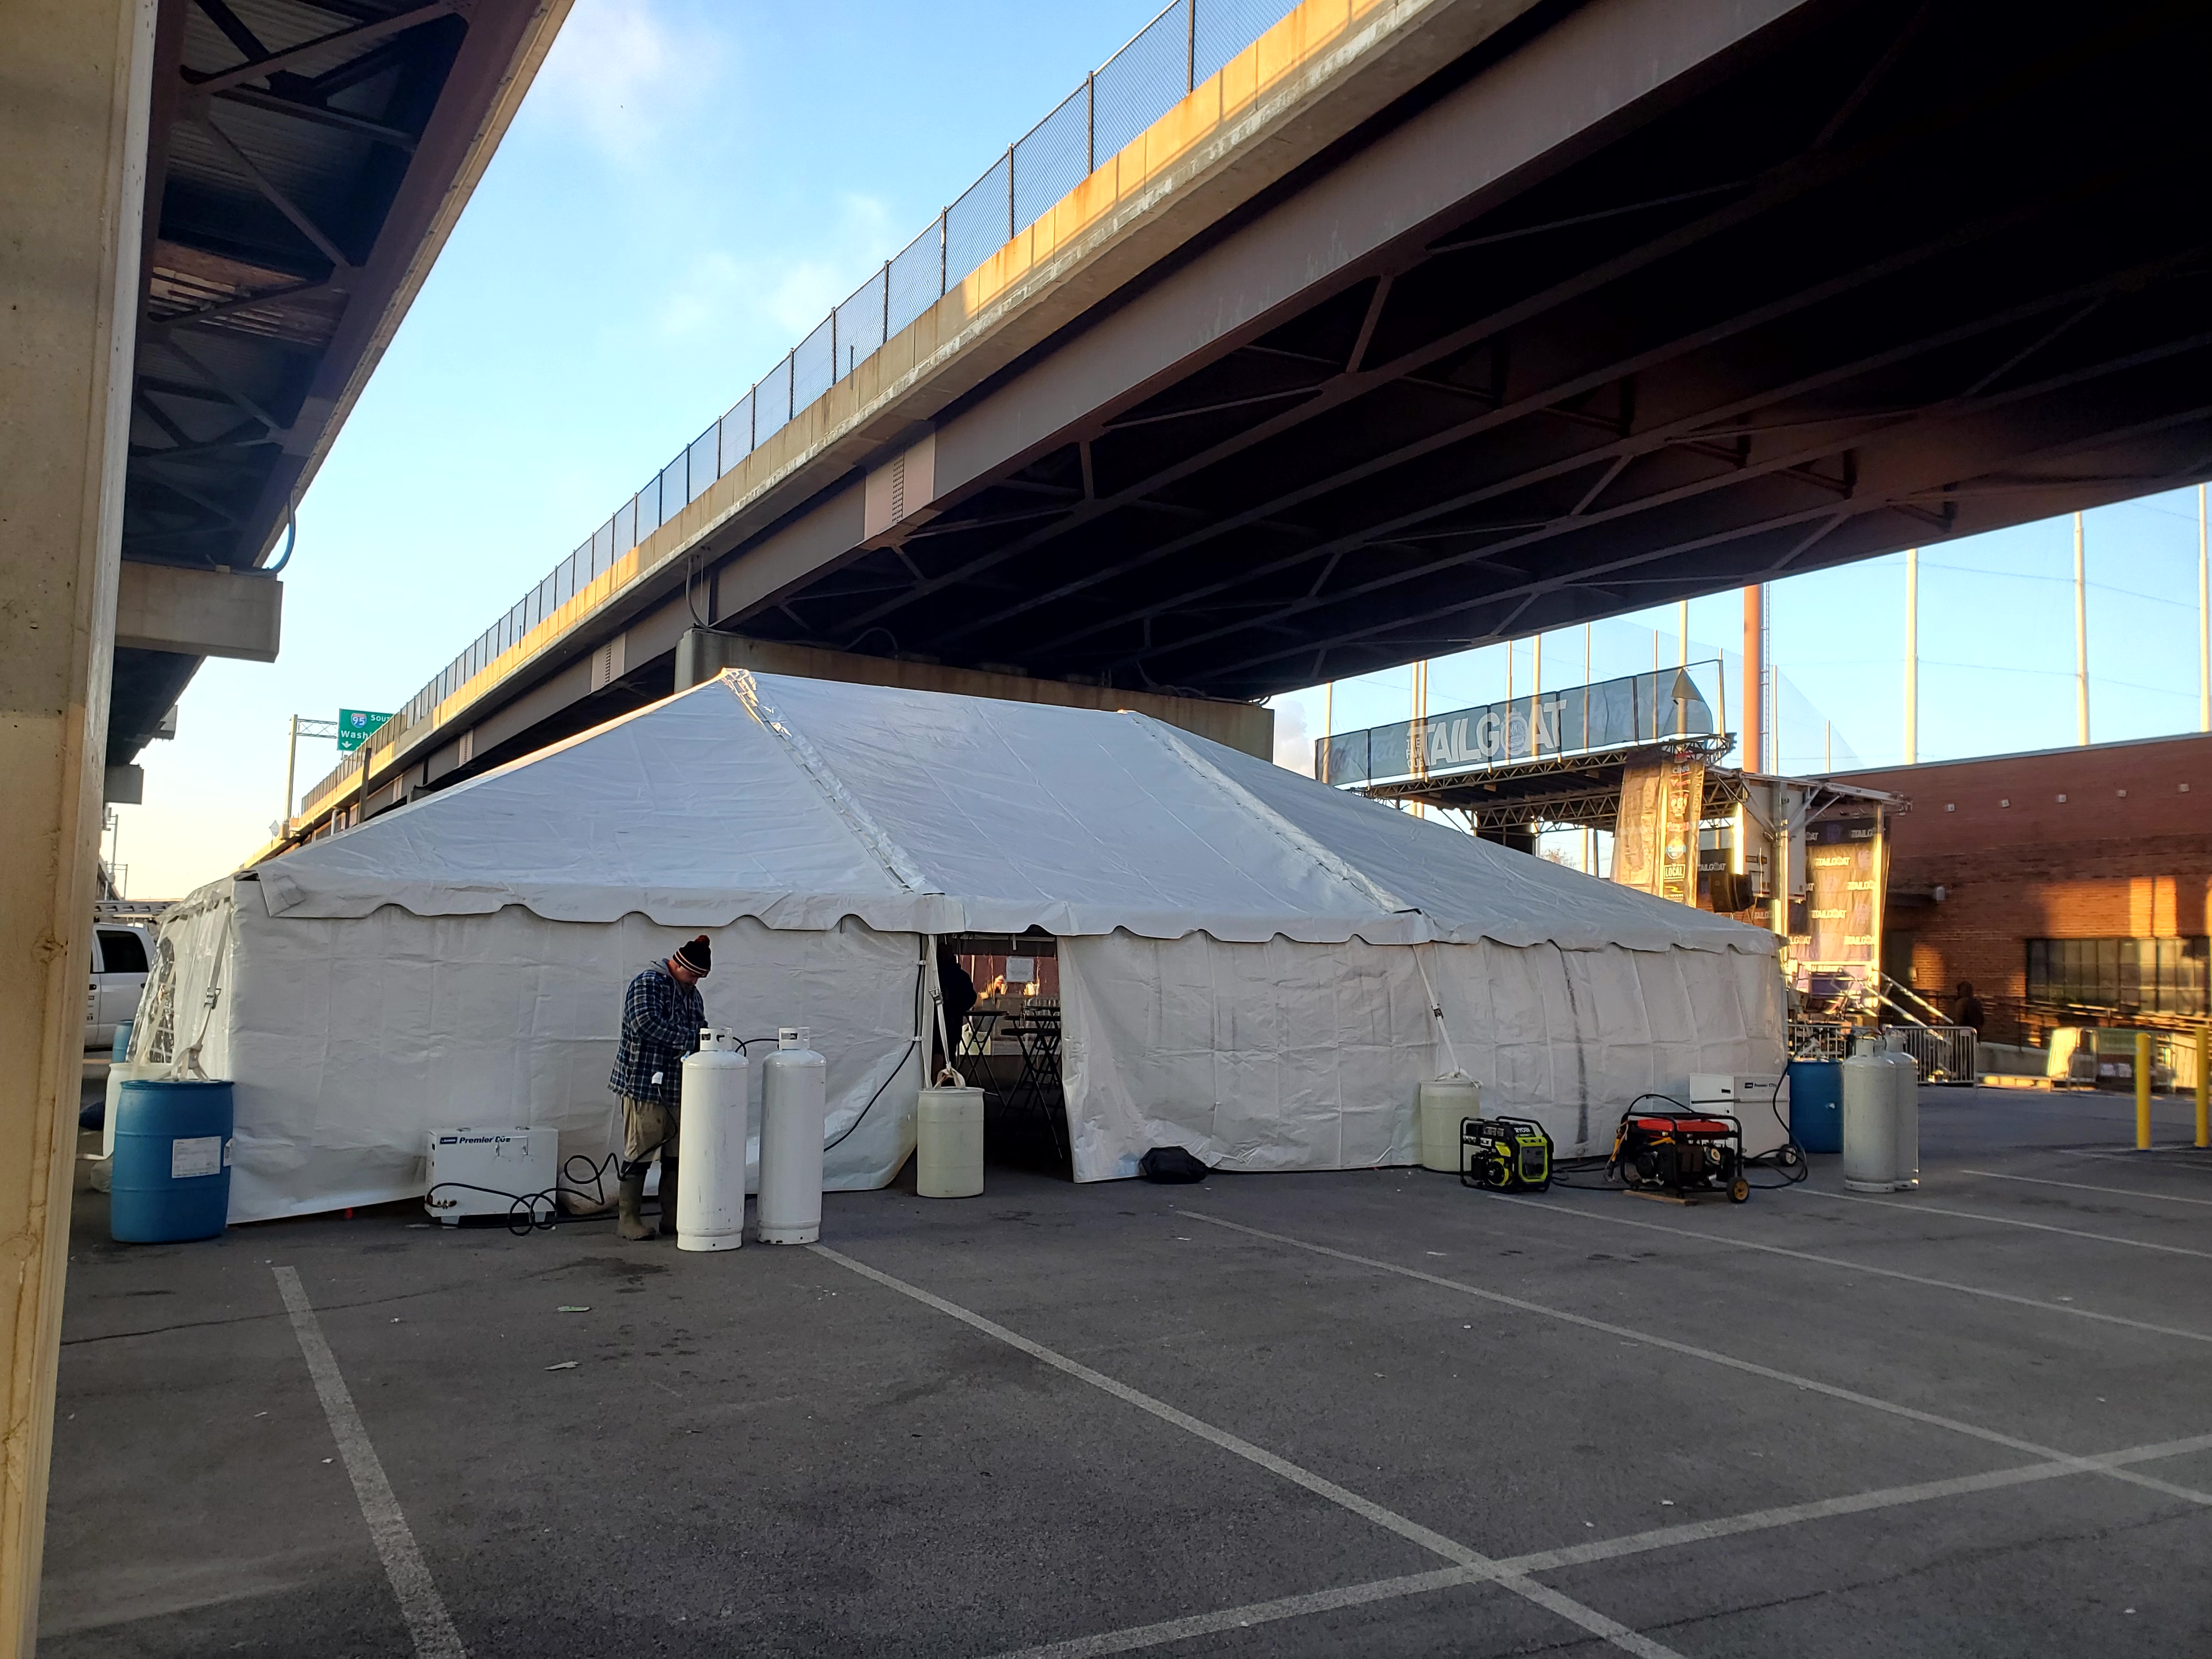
x=2063, y=883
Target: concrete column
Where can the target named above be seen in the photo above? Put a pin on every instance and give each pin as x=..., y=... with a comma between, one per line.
x=74, y=86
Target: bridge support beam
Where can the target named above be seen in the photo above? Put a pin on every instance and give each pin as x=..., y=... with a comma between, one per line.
x=70, y=203
x=198, y=613
x=703, y=654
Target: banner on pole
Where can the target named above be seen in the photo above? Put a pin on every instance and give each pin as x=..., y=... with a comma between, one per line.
x=1843, y=867
x=1655, y=838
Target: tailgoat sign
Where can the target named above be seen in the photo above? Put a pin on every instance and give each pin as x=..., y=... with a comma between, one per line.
x=1612, y=714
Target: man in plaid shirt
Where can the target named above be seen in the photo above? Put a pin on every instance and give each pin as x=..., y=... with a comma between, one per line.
x=662, y=1013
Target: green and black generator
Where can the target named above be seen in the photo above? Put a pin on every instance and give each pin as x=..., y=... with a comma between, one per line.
x=1504, y=1154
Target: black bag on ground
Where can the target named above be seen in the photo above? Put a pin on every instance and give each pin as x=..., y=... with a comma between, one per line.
x=1171, y=1166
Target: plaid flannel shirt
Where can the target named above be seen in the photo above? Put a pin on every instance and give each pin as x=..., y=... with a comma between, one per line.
x=660, y=1025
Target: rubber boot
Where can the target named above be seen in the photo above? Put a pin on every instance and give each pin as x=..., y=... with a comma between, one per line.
x=668, y=1197
x=630, y=1204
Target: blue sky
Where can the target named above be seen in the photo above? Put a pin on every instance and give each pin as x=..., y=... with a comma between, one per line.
x=1997, y=647
x=689, y=187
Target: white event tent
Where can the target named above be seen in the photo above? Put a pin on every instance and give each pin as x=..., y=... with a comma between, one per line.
x=1246, y=956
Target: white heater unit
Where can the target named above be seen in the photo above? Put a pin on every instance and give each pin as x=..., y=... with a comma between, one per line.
x=1761, y=1104
x=481, y=1172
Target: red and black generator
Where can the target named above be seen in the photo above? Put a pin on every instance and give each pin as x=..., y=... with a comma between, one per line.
x=1679, y=1155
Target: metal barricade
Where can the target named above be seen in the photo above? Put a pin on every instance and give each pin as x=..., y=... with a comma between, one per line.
x=1818, y=1039
x=1945, y=1054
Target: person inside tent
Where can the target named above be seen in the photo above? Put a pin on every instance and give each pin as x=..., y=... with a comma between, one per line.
x=662, y=1013
x=958, y=991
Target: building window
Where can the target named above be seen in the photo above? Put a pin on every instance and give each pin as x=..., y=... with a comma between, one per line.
x=2126, y=975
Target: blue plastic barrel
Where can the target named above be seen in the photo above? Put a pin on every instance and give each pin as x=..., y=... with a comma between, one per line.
x=172, y=1168
x=121, y=1048
x=1816, y=1104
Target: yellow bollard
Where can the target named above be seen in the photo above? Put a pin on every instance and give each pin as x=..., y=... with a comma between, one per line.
x=2143, y=1092
x=2204, y=1086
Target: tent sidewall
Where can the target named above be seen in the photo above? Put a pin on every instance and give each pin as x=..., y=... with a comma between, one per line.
x=351, y=1039
x=1284, y=1055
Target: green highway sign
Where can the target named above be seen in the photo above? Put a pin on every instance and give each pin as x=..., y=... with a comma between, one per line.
x=354, y=727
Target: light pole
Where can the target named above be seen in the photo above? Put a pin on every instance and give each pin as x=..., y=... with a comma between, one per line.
x=2080, y=636
x=2204, y=619
x=1912, y=656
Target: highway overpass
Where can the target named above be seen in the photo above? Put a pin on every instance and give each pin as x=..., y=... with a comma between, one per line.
x=1417, y=325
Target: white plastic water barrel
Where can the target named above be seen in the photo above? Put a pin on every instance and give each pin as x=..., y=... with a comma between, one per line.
x=1443, y=1101
x=792, y=1109
x=713, y=1126
x=119, y=1073
x=948, y=1143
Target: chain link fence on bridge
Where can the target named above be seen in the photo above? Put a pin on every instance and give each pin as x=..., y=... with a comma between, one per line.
x=1181, y=48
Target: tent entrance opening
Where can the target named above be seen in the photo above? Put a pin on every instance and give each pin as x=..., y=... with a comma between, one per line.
x=1009, y=1045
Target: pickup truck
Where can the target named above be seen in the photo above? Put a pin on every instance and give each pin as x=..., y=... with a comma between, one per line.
x=120, y=954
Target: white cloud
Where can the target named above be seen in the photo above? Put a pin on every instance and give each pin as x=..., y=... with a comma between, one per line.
x=711, y=283
x=618, y=71
x=774, y=289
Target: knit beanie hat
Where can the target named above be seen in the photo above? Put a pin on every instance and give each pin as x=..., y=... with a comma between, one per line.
x=698, y=956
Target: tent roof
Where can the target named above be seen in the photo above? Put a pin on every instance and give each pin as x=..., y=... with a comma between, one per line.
x=800, y=802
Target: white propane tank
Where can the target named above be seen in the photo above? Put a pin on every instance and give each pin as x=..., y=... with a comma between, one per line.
x=713, y=1128
x=1904, y=1170
x=948, y=1143
x=1881, y=1123
x=1869, y=1118
x=793, y=1109
x=1443, y=1101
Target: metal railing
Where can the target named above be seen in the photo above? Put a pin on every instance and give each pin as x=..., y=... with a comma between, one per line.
x=1185, y=45
x=1945, y=1054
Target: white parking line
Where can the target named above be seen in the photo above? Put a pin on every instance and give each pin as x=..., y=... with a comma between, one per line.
x=2010, y=1221
x=1665, y=1231
x=1477, y=1567
x=1696, y=1532
x=1690, y=1350
x=2079, y=1187
x=420, y=1603
x=1133, y=1637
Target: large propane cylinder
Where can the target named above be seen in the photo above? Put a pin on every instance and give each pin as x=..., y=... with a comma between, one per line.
x=1881, y=1122
x=1905, y=1172
x=1445, y=1101
x=712, y=1130
x=792, y=1109
x=948, y=1143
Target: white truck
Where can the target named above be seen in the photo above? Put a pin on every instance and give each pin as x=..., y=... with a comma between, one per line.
x=121, y=953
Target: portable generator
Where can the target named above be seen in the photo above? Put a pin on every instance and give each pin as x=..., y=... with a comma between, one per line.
x=1504, y=1154
x=1683, y=1156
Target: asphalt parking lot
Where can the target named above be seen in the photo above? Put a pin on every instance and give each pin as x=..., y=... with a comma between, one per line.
x=1366, y=1413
